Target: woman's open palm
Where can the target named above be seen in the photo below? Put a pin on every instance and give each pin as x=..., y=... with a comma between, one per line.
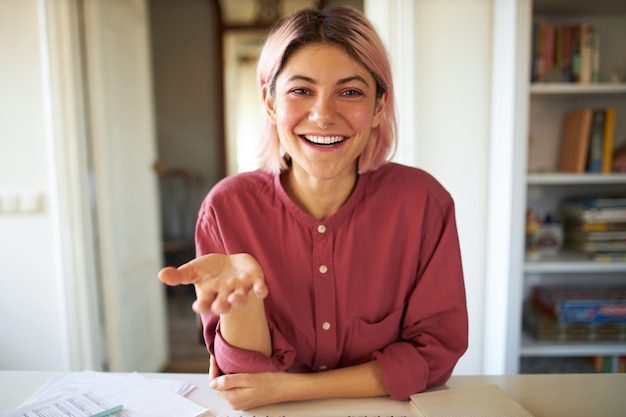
x=221, y=281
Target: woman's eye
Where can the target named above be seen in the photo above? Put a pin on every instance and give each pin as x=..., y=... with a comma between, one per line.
x=300, y=91
x=351, y=93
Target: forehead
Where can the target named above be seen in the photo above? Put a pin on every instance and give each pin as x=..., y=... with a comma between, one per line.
x=324, y=60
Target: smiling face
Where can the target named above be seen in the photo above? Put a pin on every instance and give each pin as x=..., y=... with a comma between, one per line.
x=324, y=107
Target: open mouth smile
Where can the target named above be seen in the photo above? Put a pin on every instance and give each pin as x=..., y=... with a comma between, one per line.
x=324, y=140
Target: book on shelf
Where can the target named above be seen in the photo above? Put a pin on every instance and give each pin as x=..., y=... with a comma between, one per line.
x=596, y=142
x=608, y=236
x=592, y=210
x=564, y=52
x=607, y=146
x=597, y=247
x=596, y=227
x=599, y=201
x=583, y=304
x=587, y=141
x=545, y=327
x=591, y=227
x=575, y=136
x=587, y=72
x=609, y=256
x=604, y=364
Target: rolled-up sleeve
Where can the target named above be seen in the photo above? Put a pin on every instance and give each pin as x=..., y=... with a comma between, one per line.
x=231, y=359
x=435, y=327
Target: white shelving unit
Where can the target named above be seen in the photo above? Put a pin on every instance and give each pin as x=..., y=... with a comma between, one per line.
x=544, y=188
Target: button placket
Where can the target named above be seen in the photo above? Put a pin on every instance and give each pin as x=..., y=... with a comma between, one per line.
x=325, y=299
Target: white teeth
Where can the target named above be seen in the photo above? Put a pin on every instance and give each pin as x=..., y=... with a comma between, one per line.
x=324, y=140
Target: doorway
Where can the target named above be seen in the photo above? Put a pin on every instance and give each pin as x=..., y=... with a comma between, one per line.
x=186, y=47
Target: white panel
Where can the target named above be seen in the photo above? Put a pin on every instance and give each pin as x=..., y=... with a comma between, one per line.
x=124, y=150
x=30, y=296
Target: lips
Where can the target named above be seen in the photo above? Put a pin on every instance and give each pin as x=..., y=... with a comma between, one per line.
x=324, y=140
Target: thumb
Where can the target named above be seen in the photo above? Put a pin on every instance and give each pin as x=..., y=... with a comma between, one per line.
x=170, y=276
x=177, y=276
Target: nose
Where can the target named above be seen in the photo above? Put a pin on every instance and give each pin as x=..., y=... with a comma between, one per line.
x=323, y=111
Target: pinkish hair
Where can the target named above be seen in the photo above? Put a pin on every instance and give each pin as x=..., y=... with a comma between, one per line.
x=349, y=28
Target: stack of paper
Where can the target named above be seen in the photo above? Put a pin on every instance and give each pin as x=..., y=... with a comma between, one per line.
x=84, y=394
x=475, y=401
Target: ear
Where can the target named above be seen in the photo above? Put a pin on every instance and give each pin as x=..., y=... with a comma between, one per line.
x=379, y=110
x=269, y=103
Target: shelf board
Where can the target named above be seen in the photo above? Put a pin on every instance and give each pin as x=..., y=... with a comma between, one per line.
x=567, y=262
x=564, y=7
x=533, y=347
x=574, y=88
x=574, y=179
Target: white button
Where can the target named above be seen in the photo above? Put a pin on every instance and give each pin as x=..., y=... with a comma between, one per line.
x=323, y=367
x=323, y=269
x=326, y=325
x=321, y=228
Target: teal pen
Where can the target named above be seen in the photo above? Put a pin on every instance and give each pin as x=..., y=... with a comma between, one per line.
x=109, y=411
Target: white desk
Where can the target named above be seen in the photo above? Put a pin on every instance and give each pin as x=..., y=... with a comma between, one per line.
x=555, y=395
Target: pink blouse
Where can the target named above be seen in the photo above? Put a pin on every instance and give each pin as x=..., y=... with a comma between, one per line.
x=380, y=279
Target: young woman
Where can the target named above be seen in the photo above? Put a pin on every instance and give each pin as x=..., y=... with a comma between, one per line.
x=328, y=272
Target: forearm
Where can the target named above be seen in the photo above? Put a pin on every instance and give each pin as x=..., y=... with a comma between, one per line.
x=364, y=380
x=246, y=327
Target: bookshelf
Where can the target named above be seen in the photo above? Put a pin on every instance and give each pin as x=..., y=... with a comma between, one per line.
x=542, y=187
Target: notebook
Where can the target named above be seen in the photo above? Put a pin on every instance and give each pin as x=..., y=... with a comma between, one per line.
x=474, y=401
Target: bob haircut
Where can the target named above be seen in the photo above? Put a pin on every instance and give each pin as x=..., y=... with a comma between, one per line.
x=348, y=28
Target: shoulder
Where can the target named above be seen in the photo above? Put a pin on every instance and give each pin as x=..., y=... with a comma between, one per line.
x=405, y=188
x=394, y=177
x=242, y=183
x=242, y=187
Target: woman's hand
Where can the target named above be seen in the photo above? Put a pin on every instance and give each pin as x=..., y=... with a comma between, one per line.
x=221, y=281
x=250, y=390
x=214, y=370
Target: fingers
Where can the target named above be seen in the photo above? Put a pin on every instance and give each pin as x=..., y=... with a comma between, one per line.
x=245, y=391
x=260, y=289
x=229, y=382
x=214, y=370
x=238, y=298
x=220, y=299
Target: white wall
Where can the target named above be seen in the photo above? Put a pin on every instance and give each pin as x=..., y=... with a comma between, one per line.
x=441, y=54
x=32, y=320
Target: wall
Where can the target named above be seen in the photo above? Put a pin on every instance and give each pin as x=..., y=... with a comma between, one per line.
x=454, y=85
x=31, y=300
x=443, y=113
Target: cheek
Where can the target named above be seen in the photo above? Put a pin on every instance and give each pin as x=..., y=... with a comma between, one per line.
x=362, y=117
x=288, y=116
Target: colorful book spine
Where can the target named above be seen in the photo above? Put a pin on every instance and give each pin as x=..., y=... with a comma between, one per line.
x=586, y=53
x=596, y=142
x=579, y=306
x=609, y=133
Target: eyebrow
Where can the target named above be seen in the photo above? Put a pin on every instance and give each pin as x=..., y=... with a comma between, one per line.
x=340, y=82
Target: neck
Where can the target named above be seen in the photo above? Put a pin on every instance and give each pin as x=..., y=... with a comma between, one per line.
x=319, y=198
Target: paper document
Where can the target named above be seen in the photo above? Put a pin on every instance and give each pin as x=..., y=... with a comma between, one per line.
x=83, y=394
x=87, y=404
x=474, y=401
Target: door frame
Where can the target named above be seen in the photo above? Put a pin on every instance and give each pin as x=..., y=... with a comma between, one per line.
x=72, y=197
